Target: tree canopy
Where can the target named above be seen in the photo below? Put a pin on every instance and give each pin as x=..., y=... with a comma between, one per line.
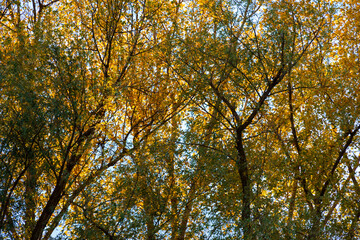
x=183, y=119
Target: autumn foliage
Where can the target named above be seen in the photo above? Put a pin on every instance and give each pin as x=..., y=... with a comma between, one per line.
x=183, y=119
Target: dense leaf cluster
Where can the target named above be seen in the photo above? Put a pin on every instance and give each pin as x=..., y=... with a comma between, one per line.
x=184, y=119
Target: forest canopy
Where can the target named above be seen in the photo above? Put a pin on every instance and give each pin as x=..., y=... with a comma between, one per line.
x=182, y=119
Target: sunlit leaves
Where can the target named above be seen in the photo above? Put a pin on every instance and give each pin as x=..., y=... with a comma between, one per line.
x=134, y=119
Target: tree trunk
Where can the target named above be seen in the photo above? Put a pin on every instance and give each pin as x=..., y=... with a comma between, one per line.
x=242, y=167
x=30, y=204
x=54, y=199
x=315, y=226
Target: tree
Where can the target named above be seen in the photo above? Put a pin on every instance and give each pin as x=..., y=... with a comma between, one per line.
x=75, y=91
x=240, y=59
x=142, y=119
